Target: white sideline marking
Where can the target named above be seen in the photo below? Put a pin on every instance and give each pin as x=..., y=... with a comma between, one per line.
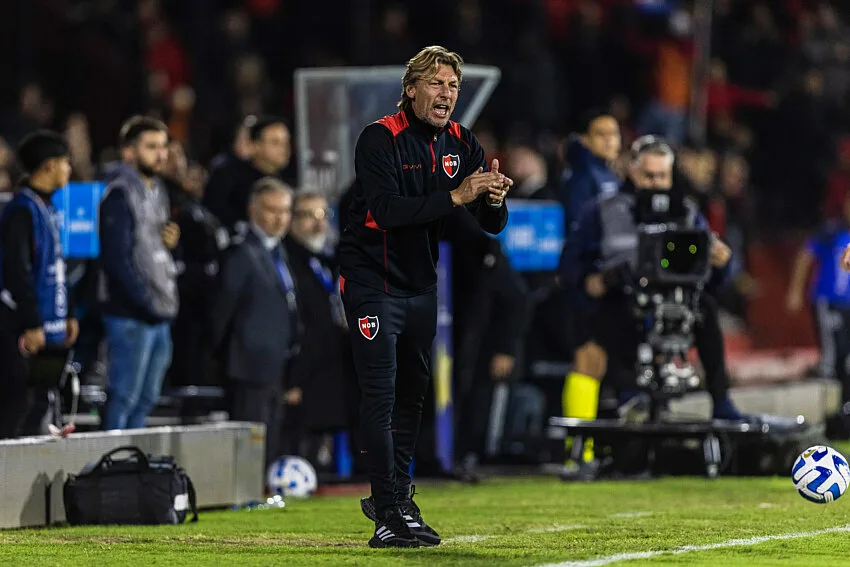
x=468, y=538
x=608, y=560
x=476, y=538
x=632, y=515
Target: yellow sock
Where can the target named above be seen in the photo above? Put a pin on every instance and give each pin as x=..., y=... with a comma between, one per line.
x=581, y=400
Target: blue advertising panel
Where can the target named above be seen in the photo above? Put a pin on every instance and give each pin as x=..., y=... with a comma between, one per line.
x=78, y=205
x=534, y=236
x=442, y=361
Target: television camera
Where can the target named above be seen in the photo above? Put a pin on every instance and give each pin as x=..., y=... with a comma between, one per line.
x=673, y=268
x=664, y=282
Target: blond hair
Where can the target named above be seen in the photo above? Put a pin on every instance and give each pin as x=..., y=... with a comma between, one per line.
x=425, y=64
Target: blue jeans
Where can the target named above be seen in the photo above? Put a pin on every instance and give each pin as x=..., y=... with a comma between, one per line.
x=138, y=356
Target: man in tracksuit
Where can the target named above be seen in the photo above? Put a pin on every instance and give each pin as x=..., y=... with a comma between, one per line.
x=36, y=311
x=412, y=170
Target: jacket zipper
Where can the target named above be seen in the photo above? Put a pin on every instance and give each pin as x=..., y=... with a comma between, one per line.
x=433, y=156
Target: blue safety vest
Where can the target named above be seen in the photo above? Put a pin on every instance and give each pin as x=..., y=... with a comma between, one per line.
x=48, y=266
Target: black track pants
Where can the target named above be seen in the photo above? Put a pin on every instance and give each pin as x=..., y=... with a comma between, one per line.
x=391, y=342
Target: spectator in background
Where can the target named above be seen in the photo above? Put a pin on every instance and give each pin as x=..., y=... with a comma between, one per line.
x=831, y=299
x=822, y=31
x=36, y=312
x=733, y=219
x=35, y=110
x=724, y=98
x=321, y=375
x=139, y=288
x=230, y=185
x=733, y=185
x=79, y=143
x=255, y=321
x=202, y=239
x=590, y=154
x=240, y=150
x=529, y=172
x=621, y=109
x=672, y=56
x=695, y=169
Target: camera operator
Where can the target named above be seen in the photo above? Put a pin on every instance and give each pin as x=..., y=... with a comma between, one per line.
x=606, y=232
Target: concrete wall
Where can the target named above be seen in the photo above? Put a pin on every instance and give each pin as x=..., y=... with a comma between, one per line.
x=224, y=460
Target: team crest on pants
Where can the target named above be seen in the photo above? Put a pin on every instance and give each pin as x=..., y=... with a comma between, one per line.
x=368, y=327
x=451, y=164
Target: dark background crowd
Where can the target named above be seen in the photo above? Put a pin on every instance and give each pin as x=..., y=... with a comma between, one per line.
x=773, y=159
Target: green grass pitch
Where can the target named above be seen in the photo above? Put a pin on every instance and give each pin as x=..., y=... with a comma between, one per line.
x=530, y=522
x=506, y=521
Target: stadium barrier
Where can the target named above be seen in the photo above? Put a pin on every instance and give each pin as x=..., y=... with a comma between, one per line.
x=224, y=460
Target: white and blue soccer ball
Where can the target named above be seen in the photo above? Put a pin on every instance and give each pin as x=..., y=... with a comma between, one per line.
x=291, y=476
x=821, y=474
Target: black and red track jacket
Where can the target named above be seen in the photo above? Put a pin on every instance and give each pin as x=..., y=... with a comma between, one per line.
x=405, y=169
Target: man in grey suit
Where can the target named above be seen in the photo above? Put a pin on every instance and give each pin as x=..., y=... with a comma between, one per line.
x=255, y=318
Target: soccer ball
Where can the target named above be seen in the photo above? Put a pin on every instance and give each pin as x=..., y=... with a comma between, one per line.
x=821, y=474
x=291, y=476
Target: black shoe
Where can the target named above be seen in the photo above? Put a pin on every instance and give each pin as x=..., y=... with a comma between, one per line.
x=367, y=504
x=412, y=516
x=392, y=531
x=423, y=532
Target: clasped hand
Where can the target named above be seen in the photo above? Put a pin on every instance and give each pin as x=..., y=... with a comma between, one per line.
x=494, y=183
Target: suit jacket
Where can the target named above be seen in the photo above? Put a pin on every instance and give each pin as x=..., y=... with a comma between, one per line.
x=254, y=325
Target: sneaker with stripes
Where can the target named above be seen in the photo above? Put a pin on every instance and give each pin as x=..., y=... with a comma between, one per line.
x=412, y=517
x=392, y=531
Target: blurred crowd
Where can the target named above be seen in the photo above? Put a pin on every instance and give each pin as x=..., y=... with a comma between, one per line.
x=773, y=157
x=772, y=87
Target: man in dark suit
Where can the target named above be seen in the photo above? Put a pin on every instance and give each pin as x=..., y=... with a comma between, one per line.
x=255, y=317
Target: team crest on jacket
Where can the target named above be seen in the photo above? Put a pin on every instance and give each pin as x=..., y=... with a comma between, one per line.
x=451, y=164
x=368, y=326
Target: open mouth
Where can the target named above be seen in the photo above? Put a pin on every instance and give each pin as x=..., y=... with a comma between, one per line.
x=441, y=110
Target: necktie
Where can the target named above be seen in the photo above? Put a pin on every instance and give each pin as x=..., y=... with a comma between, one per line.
x=285, y=277
x=282, y=270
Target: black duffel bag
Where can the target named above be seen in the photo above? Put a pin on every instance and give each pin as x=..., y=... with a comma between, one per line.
x=140, y=489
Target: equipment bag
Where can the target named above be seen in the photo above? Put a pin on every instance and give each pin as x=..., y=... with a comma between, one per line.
x=140, y=489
